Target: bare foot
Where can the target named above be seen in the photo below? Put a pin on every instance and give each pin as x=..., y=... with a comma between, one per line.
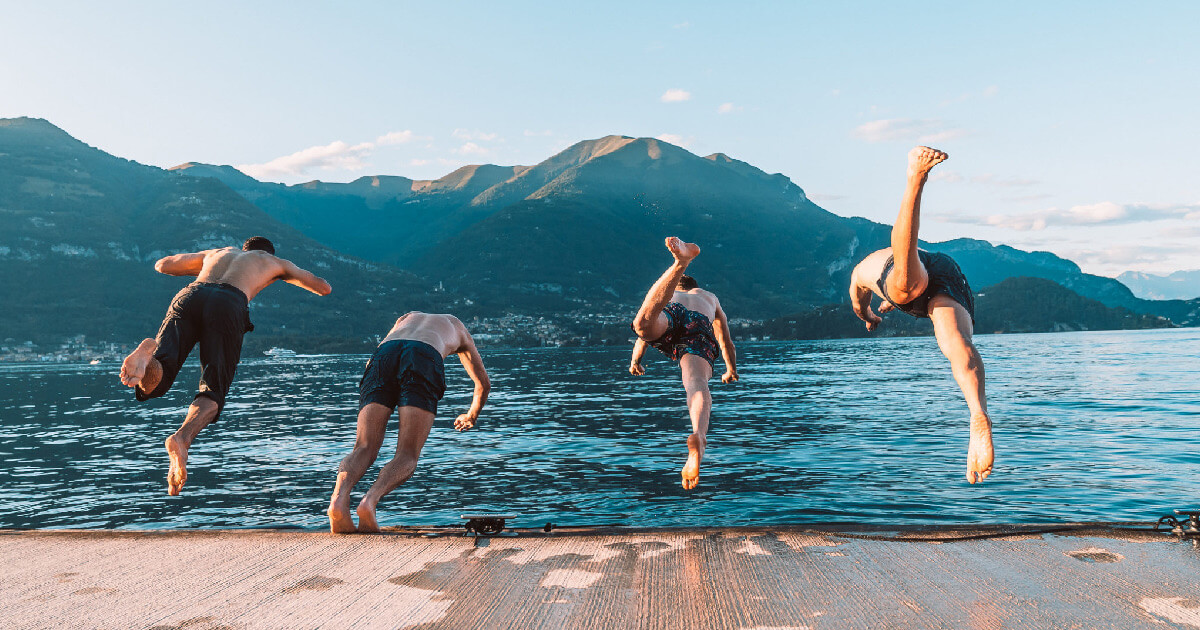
x=691, y=470
x=177, y=475
x=921, y=160
x=683, y=252
x=340, y=521
x=979, y=452
x=366, y=518
x=134, y=366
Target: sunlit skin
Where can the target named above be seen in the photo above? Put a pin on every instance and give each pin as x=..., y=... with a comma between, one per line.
x=952, y=325
x=447, y=335
x=650, y=323
x=249, y=271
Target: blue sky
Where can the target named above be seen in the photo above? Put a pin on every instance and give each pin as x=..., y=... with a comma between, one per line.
x=1071, y=128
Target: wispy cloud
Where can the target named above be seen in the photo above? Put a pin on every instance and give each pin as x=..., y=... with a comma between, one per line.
x=684, y=24
x=1104, y=213
x=395, y=137
x=674, y=139
x=728, y=108
x=1125, y=256
x=676, y=95
x=471, y=148
x=926, y=131
x=481, y=136
x=336, y=155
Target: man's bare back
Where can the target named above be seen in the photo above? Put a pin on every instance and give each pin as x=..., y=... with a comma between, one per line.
x=249, y=271
x=699, y=300
x=444, y=332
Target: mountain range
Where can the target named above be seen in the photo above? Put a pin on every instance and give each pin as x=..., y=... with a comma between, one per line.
x=1180, y=285
x=586, y=225
x=80, y=230
x=577, y=235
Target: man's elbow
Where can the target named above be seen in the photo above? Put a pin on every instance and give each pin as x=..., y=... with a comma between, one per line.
x=160, y=265
x=324, y=288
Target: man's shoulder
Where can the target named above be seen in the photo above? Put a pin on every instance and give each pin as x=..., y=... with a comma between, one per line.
x=454, y=320
x=871, y=265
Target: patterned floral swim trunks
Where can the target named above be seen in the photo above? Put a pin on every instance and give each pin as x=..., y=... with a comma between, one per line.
x=687, y=332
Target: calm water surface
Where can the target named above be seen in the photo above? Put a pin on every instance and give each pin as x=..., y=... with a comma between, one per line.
x=1089, y=426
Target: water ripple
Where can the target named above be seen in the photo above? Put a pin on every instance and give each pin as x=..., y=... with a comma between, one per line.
x=1098, y=426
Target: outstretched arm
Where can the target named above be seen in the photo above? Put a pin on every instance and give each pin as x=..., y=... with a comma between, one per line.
x=181, y=264
x=473, y=363
x=860, y=299
x=725, y=340
x=635, y=362
x=303, y=278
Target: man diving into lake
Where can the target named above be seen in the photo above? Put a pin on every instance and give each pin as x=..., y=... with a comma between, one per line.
x=406, y=374
x=213, y=311
x=686, y=323
x=925, y=284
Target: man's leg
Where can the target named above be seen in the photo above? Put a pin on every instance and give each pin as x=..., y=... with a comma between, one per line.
x=415, y=424
x=202, y=412
x=953, y=329
x=650, y=323
x=696, y=372
x=908, y=277
x=220, y=342
x=372, y=423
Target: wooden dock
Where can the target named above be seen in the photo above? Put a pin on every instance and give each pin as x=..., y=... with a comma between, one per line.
x=734, y=578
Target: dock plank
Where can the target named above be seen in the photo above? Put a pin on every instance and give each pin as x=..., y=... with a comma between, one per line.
x=723, y=579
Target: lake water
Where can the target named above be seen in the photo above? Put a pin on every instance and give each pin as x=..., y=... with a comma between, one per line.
x=1088, y=426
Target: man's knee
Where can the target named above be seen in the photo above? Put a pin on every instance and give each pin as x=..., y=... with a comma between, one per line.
x=964, y=356
x=643, y=326
x=206, y=406
x=404, y=463
x=363, y=453
x=697, y=388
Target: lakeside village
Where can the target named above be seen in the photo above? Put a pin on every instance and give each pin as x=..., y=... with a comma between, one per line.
x=572, y=329
x=75, y=349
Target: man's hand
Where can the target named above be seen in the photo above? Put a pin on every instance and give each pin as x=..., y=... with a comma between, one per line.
x=869, y=316
x=885, y=306
x=729, y=377
x=464, y=422
x=636, y=369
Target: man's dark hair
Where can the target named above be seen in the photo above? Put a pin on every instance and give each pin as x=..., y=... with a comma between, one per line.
x=259, y=243
x=687, y=283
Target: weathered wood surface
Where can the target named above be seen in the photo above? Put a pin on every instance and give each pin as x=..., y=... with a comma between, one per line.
x=670, y=579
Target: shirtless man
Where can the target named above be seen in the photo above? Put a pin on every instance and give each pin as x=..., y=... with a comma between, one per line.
x=213, y=311
x=925, y=284
x=406, y=374
x=686, y=323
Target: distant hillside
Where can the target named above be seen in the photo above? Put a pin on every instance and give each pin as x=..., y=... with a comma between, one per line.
x=80, y=230
x=1180, y=285
x=1015, y=305
x=539, y=253
x=583, y=229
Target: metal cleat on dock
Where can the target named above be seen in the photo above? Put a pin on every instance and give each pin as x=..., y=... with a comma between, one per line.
x=1188, y=527
x=487, y=524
